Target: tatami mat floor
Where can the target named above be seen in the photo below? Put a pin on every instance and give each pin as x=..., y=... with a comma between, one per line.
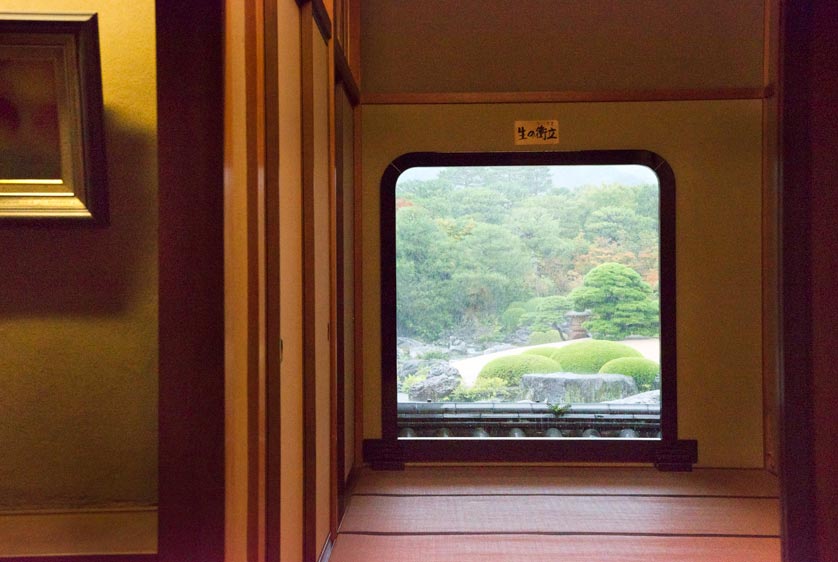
x=579, y=514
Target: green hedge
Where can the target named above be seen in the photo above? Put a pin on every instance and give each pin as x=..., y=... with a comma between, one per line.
x=590, y=355
x=511, y=368
x=550, y=336
x=549, y=352
x=642, y=370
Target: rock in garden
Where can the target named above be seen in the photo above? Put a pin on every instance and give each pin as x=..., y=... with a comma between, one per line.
x=571, y=388
x=649, y=397
x=408, y=367
x=442, y=380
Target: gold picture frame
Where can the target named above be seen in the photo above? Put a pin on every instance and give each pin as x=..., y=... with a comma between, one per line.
x=52, y=146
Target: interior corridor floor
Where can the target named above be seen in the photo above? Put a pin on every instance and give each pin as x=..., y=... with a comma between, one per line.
x=578, y=514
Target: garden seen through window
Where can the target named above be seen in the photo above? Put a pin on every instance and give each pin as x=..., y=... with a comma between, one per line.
x=528, y=301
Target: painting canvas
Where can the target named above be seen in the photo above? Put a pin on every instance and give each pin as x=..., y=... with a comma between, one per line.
x=52, y=162
x=30, y=139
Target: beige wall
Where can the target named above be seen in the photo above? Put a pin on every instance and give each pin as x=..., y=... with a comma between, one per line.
x=714, y=148
x=532, y=45
x=345, y=170
x=78, y=315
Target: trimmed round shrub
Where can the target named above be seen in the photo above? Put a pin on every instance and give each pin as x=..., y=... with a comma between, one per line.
x=588, y=357
x=549, y=352
x=642, y=370
x=512, y=367
x=550, y=336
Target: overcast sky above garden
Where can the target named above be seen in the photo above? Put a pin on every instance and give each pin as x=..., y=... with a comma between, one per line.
x=569, y=176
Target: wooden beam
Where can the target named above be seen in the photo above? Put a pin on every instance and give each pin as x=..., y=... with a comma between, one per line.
x=190, y=67
x=346, y=77
x=310, y=550
x=564, y=96
x=273, y=352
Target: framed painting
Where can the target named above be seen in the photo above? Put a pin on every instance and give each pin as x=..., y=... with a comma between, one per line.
x=52, y=150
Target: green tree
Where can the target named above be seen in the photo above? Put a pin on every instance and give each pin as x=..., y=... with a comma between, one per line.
x=491, y=272
x=548, y=314
x=622, y=226
x=621, y=302
x=424, y=267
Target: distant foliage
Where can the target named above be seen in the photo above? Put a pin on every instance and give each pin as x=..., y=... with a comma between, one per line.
x=511, y=318
x=482, y=252
x=643, y=371
x=621, y=302
x=588, y=356
x=511, y=368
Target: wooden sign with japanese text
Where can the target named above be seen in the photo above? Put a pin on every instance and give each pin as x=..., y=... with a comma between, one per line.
x=537, y=132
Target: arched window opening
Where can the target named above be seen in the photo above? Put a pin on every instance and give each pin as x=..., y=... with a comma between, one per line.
x=529, y=298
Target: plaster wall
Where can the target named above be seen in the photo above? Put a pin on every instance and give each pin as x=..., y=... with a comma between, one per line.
x=533, y=45
x=78, y=313
x=715, y=151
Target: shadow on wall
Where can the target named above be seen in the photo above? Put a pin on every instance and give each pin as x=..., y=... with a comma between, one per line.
x=54, y=268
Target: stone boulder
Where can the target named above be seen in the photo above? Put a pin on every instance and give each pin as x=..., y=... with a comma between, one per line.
x=572, y=388
x=649, y=397
x=408, y=367
x=442, y=380
x=410, y=348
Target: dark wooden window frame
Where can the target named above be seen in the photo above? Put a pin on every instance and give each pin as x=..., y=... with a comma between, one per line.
x=667, y=453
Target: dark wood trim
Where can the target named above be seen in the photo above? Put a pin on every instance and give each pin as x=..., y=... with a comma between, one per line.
x=190, y=63
x=344, y=75
x=254, y=127
x=797, y=470
x=770, y=241
x=395, y=452
x=357, y=281
x=387, y=237
x=354, y=48
x=273, y=353
x=84, y=558
x=668, y=294
x=384, y=454
x=310, y=548
x=376, y=98
x=321, y=17
x=340, y=309
x=822, y=252
x=335, y=320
